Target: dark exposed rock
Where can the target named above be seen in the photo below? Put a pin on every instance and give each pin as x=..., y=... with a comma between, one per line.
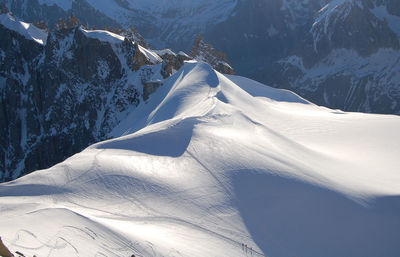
x=172, y=61
x=68, y=23
x=351, y=26
x=41, y=25
x=207, y=53
x=19, y=58
x=58, y=98
x=4, y=250
x=139, y=58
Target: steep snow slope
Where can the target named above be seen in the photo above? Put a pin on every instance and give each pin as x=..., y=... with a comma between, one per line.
x=211, y=162
x=28, y=30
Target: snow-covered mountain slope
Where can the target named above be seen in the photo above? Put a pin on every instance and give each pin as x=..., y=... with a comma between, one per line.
x=211, y=162
x=28, y=30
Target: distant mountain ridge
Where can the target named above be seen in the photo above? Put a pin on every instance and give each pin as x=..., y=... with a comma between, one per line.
x=340, y=53
x=262, y=37
x=163, y=23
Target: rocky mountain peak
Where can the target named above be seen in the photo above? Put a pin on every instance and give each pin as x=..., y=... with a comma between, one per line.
x=203, y=51
x=172, y=61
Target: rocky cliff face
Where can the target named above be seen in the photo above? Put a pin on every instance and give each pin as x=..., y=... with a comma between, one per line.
x=59, y=97
x=172, y=61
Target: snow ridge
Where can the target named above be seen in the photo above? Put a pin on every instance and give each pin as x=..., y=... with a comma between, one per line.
x=27, y=30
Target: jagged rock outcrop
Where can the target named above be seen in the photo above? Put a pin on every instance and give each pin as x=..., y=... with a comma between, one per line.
x=139, y=58
x=57, y=98
x=202, y=51
x=172, y=61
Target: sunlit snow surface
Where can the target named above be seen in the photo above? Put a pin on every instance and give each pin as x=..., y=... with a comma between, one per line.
x=27, y=30
x=211, y=162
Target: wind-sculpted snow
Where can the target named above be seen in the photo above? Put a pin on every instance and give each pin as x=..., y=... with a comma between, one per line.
x=212, y=162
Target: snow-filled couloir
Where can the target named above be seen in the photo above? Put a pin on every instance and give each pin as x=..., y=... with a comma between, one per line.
x=211, y=162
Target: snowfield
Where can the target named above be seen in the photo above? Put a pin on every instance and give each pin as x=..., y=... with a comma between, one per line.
x=210, y=162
